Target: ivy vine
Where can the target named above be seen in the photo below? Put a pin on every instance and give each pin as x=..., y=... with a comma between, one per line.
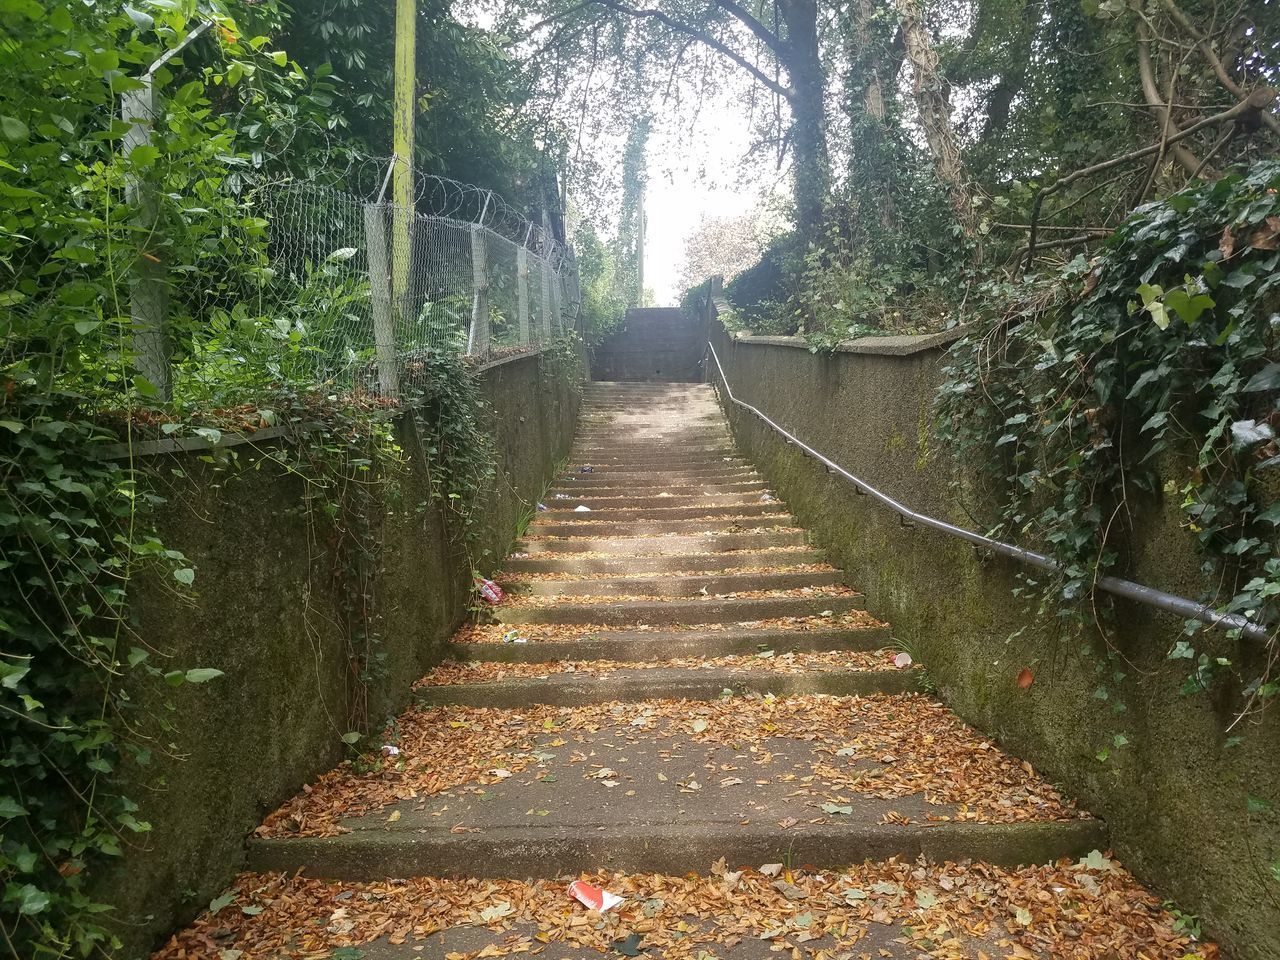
x=1150, y=371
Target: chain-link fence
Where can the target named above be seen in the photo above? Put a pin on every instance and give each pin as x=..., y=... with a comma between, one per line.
x=351, y=292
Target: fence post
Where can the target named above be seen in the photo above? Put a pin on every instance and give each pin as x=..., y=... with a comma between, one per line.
x=547, y=277
x=478, y=342
x=384, y=329
x=522, y=292
x=557, y=301
x=148, y=295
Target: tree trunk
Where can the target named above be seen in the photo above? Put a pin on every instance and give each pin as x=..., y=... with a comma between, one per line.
x=872, y=67
x=803, y=64
x=934, y=108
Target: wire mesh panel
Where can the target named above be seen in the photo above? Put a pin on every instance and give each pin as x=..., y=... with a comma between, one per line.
x=353, y=293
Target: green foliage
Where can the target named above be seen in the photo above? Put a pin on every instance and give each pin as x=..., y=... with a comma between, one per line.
x=71, y=538
x=470, y=121
x=603, y=288
x=759, y=293
x=1149, y=372
x=80, y=216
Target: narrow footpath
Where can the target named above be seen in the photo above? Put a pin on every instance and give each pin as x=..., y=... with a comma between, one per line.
x=680, y=702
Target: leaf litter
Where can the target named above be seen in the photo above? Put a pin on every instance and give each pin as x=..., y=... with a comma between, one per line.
x=1063, y=911
x=886, y=747
x=453, y=672
x=553, y=632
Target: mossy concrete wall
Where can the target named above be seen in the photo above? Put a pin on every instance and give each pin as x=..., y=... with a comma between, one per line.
x=651, y=344
x=271, y=611
x=1175, y=797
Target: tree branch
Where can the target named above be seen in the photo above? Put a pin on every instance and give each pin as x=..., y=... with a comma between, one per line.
x=763, y=33
x=1260, y=99
x=703, y=37
x=1146, y=73
x=1215, y=62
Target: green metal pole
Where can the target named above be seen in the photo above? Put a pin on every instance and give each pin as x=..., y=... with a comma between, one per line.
x=402, y=187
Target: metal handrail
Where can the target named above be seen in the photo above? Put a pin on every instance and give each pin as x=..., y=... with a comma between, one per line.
x=1188, y=609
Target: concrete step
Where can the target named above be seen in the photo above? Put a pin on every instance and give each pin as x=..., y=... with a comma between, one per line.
x=588, y=525
x=647, y=646
x=711, y=471
x=641, y=486
x=752, y=487
x=521, y=849
x=747, y=508
x=670, y=563
x=675, y=586
x=636, y=787
x=672, y=543
x=661, y=507
x=630, y=686
x=658, y=461
x=659, y=612
x=585, y=447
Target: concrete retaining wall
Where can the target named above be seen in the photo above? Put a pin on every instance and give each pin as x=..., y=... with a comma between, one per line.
x=271, y=610
x=1175, y=798
x=657, y=344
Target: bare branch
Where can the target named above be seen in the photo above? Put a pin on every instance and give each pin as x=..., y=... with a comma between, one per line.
x=1215, y=62
x=702, y=37
x=763, y=33
x=1260, y=99
x=1147, y=74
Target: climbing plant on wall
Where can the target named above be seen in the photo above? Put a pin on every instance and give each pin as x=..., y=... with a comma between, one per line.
x=1148, y=372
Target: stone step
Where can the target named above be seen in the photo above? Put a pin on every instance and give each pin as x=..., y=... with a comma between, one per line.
x=638, y=485
x=635, y=449
x=522, y=850
x=747, y=508
x=616, y=490
x=659, y=612
x=670, y=563
x=671, y=543
x=630, y=686
x=658, y=461
x=675, y=501
x=642, y=484
x=711, y=446
x=647, y=646
x=711, y=471
x=588, y=525
x=675, y=586
x=670, y=786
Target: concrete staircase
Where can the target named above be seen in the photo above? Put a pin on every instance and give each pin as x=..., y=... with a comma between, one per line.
x=682, y=679
x=654, y=344
x=681, y=703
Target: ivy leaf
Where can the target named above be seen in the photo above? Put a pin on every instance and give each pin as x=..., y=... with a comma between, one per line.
x=185, y=575
x=13, y=129
x=1271, y=515
x=31, y=899
x=143, y=21
x=10, y=808
x=1248, y=433
x=202, y=674
x=1268, y=378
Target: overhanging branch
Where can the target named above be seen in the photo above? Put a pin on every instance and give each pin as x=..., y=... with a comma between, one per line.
x=689, y=30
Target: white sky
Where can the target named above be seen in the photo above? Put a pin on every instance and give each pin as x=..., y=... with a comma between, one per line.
x=694, y=175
